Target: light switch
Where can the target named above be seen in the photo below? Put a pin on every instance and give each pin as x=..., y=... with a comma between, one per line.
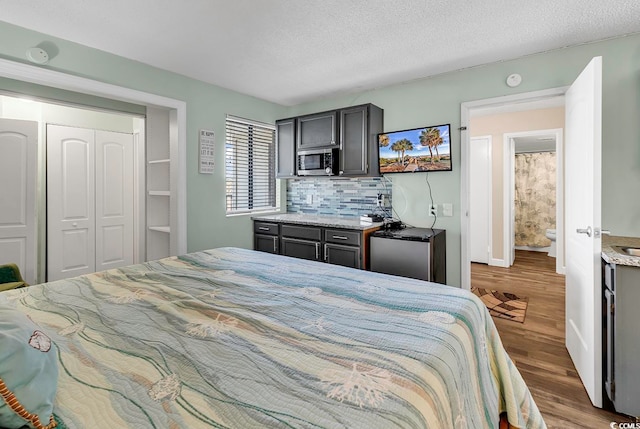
x=309, y=198
x=447, y=209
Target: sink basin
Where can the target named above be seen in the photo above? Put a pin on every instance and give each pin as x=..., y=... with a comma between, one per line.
x=631, y=251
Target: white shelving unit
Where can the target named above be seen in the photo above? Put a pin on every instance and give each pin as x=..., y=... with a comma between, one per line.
x=160, y=161
x=165, y=229
x=160, y=197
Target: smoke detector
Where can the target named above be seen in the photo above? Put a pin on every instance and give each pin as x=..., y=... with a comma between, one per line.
x=37, y=55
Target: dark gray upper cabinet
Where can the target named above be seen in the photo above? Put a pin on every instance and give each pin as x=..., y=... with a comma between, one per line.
x=317, y=130
x=353, y=129
x=286, y=148
x=359, y=127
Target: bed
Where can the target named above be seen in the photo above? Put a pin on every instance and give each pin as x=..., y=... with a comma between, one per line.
x=234, y=338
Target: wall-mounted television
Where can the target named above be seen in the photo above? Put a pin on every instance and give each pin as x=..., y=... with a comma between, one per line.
x=415, y=150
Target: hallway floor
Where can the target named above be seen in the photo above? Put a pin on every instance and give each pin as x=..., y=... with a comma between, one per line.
x=537, y=346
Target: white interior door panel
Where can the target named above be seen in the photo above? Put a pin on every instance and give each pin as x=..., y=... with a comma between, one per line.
x=70, y=202
x=114, y=199
x=583, y=212
x=18, y=160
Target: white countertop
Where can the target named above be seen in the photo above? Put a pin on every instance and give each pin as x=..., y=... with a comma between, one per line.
x=315, y=220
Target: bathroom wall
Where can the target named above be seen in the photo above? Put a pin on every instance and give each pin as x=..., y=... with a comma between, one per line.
x=335, y=197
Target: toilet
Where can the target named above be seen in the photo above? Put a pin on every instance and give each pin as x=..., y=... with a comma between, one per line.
x=551, y=235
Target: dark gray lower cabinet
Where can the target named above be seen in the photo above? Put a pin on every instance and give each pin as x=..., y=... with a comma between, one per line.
x=301, y=241
x=266, y=243
x=303, y=249
x=344, y=247
x=266, y=237
x=347, y=256
x=621, y=337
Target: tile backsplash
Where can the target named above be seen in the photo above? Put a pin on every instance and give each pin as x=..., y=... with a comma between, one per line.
x=335, y=197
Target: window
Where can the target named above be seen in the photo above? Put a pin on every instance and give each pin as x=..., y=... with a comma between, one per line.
x=249, y=166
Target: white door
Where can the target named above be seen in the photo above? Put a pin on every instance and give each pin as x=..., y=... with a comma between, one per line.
x=18, y=144
x=70, y=202
x=480, y=197
x=90, y=192
x=114, y=200
x=583, y=223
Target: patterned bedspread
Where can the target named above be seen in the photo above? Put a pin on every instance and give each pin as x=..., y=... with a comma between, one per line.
x=232, y=338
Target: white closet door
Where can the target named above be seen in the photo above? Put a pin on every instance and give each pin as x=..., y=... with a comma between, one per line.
x=18, y=144
x=114, y=200
x=70, y=202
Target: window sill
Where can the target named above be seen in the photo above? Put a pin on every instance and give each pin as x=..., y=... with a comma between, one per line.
x=257, y=212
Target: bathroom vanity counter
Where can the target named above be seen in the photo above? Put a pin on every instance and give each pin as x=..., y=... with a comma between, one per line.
x=613, y=256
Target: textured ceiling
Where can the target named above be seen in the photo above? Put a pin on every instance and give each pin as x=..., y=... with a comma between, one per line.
x=294, y=51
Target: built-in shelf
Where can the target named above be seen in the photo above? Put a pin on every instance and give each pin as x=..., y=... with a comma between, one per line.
x=166, y=229
x=160, y=161
x=160, y=193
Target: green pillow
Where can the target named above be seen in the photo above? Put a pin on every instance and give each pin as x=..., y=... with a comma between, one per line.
x=28, y=372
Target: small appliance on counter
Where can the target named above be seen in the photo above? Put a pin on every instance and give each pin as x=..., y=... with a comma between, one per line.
x=419, y=253
x=371, y=218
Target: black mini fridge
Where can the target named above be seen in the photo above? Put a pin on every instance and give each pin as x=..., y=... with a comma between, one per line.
x=419, y=253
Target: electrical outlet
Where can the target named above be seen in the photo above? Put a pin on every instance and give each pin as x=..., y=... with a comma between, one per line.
x=383, y=200
x=309, y=198
x=433, y=210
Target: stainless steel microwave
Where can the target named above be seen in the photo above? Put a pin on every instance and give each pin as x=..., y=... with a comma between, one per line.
x=318, y=162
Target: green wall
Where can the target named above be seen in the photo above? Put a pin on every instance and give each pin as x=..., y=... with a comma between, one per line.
x=437, y=100
x=428, y=101
x=207, y=106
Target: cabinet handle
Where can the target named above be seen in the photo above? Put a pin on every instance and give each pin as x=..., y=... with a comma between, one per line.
x=317, y=251
x=340, y=237
x=275, y=249
x=326, y=252
x=263, y=228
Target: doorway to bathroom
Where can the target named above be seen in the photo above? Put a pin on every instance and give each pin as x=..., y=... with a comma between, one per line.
x=510, y=206
x=533, y=176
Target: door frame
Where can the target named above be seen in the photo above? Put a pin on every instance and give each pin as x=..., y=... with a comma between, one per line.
x=465, y=140
x=178, y=134
x=509, y=193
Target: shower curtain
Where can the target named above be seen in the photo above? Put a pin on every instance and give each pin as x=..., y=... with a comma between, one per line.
x=535, y=198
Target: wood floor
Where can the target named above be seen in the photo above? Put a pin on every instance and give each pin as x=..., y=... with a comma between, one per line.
x=537, y=346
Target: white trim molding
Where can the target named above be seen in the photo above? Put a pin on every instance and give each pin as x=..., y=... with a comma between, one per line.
x=55, y=79
x=465, y=114
x=508, y=191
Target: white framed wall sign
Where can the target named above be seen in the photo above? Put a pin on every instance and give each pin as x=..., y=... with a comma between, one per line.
x=206, y=147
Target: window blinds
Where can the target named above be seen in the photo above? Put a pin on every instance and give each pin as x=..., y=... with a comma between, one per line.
x=249, y=166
